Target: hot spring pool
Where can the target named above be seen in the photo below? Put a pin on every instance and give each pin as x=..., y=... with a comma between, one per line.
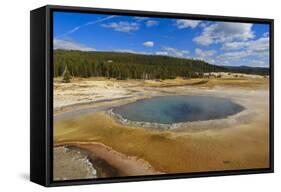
x=176, y=109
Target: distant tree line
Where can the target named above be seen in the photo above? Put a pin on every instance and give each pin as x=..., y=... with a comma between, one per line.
x=128, y=65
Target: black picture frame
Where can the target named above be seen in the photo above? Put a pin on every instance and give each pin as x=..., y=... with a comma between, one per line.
x=41, y=95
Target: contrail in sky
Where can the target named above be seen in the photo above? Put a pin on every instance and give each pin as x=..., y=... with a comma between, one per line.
x=84, y=25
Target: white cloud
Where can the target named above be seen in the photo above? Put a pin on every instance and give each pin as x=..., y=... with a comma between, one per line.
x=258, y=63
x=205, y=55
x=122, y=26
x=204, y=24
x=258, y=48
x=203, y=40
x=259, y=45
x=251, y=53
x=148, y=43
x=221, y=32
x=239, y=58
x=70, y=45
x=84, y=25
x=172, y=52
x=184, y=23
x=235, y=45
x=235, y=55
x=131, y=51
x=266, y=34
x=151, y=23
x=140, y=18
x=124, y=50
x=161, y=53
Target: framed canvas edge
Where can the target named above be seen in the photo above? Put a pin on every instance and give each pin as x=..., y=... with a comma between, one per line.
x=49, y=103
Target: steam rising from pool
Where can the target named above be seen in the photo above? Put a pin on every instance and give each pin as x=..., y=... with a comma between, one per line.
x=177, y=109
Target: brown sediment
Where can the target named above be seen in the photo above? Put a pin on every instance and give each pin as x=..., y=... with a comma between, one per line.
x=104, y=169
x=177, y=83
x=110, y=163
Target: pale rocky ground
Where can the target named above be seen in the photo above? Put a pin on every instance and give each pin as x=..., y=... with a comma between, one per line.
x=72, y=164
x=85, y=91
x=226, y=75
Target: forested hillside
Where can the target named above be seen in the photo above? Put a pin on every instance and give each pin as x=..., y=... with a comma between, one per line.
x=129, y=65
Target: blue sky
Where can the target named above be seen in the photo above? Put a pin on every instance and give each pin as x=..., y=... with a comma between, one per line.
x=220, y=43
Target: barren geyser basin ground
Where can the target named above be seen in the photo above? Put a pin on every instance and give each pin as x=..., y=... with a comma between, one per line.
x=92, y=142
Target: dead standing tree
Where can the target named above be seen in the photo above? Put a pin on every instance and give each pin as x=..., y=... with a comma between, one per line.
x=66, y=75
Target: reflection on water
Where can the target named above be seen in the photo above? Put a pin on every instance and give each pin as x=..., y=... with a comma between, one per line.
x=175, y=109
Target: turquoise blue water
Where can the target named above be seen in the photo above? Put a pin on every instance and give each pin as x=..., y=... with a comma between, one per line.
x=175, y=109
